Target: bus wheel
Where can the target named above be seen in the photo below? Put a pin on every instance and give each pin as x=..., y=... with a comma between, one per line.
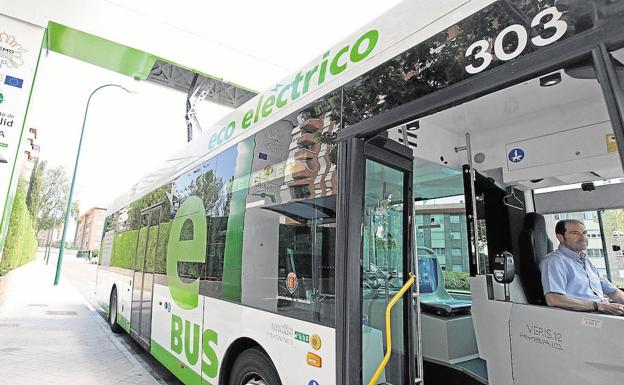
x=112, y=313
x=253, y=367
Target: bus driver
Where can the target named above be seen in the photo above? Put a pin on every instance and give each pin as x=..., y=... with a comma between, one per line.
x=569, y=278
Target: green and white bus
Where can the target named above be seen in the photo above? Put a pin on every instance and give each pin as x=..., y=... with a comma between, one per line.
x=344, y=226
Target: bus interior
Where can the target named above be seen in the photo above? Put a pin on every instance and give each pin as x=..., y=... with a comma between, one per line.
x=520, y=158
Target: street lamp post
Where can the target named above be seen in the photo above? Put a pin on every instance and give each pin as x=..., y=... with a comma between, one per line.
x=71, y=189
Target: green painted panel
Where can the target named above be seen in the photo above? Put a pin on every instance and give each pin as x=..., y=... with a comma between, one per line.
x=98, y=51
x=233, y=261
x=175, y=366
x=108, y=54
x=123, y=322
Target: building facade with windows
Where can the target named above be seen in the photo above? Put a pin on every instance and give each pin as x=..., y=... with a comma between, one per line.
x=89, y=229
x=442, y=228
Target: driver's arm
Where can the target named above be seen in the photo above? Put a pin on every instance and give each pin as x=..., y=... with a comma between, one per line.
x=569, y=303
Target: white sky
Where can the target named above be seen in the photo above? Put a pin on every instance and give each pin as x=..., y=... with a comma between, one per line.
x=128, y=134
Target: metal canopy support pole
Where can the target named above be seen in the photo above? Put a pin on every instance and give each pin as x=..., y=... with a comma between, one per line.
x=59, y=262
x=612, y=91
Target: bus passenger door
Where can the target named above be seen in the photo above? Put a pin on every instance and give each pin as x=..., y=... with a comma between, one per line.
x=143, y=282
x=380, y=261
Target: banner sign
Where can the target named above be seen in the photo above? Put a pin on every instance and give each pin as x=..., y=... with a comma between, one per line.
x=20, y=44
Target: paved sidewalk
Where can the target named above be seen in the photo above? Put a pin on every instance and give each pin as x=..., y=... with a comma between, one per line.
x=51, y=335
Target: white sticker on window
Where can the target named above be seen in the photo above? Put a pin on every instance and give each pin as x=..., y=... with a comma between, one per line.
x=592, y=322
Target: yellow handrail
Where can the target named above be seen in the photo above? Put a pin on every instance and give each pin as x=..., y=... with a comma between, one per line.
x=389, y=307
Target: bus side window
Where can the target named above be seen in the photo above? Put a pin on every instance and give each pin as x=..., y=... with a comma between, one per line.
x=290, y=219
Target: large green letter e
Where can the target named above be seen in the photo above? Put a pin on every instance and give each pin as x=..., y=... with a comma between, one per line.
x=187, y=243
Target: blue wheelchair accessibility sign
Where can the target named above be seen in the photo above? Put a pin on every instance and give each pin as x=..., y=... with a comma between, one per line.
x=516, y=155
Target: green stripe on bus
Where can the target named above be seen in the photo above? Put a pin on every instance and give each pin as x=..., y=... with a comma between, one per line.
x=233, y=261
x=175, y=366
x=123, y=322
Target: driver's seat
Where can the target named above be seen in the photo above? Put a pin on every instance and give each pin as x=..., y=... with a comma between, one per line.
x=534, y=247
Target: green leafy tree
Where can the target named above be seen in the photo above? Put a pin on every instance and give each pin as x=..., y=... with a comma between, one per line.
x=211, y=189
x=33, y=195
x=53, y=199
x=433, y=64
x=158, y=196
x=614, y=221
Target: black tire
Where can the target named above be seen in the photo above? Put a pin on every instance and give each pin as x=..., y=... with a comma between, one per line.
x=112, y=313
x=253, y=365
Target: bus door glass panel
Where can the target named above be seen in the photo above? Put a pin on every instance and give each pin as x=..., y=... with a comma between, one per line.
x=151, y=243
x=385, y=244
x=139, y=262
x=440, y=220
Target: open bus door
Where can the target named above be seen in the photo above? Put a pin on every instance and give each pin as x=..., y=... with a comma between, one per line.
x=143, y=280
x=377, y=334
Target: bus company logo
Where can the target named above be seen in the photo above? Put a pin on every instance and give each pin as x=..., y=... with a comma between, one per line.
x=1, y=97
x=10, y=51
x=292, y=282
x=516, y=155
x=313, y=382
x=315, y=342
x=330, y=65
x=302, y=337
x=186, y=248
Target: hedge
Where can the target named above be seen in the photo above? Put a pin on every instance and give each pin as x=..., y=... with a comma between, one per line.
x=21, y=241
x=456, y=280
x=125, y=246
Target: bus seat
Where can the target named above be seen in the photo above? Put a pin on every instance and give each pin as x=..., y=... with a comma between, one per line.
x=434, y=297
x=534, y=247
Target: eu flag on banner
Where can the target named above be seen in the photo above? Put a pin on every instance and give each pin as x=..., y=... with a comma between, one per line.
x=14, y=82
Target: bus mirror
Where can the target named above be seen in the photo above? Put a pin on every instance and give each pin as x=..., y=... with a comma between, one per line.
x=504, y=268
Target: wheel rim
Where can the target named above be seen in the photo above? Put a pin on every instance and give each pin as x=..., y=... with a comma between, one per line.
x=113, y=309
x=253, y=378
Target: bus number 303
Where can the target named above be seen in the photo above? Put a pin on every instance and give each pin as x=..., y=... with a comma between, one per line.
x=480, y=49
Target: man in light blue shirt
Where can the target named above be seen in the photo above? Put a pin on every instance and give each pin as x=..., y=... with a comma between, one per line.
x=569, y=278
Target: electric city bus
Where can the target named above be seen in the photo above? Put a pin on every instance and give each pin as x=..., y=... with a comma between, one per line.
x=379, y=217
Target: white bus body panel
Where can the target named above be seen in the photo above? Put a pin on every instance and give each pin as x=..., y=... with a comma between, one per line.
x=560, y=347
x=106, y=280
x=274, y=333
x=528, y=345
